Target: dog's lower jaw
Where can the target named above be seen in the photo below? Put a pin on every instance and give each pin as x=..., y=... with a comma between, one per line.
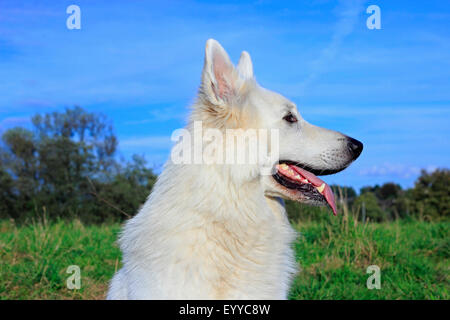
x=211, y=240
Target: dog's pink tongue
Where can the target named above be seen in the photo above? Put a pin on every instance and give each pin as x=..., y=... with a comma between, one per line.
x=329, y=196
x=316, y=182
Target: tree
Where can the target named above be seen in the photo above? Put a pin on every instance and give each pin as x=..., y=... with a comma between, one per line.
x=370, y=203
x=389, y=191
x=125, y=191
x=65, y=166
x=7, y=197
x=374, y=189
x=388, y=196
x=344, y=194
x=19, y=163
x=92, y=134
x=431, y=193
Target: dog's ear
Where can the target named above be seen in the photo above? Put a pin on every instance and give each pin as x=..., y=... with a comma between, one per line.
x=245, y=66
x=220, y=80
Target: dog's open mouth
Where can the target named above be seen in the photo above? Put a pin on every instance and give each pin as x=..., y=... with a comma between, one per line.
x=291, y=176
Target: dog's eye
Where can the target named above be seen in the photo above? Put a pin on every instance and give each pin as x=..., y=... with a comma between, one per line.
x=290, y=118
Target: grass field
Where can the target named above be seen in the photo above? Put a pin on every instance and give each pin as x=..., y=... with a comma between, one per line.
x=334, y=254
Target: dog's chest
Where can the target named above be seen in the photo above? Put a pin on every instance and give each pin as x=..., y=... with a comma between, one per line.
x=250, y=261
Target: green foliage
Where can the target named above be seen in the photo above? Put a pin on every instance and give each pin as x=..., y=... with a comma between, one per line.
x=300, y=212
x=7, y=197
x=348, y=194
x=125, y=192
x=390, y=198
x=368, y=202
x=431, y=194
x=66, y=167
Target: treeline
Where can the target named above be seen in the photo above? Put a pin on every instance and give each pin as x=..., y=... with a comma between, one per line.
x=66, y=166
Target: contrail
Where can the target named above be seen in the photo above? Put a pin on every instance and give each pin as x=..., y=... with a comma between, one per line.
x=348, y=11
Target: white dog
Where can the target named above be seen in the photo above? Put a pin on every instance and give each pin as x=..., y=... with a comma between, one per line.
x=220, y=231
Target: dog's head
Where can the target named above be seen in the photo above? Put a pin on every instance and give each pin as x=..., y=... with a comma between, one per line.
x=230, y=98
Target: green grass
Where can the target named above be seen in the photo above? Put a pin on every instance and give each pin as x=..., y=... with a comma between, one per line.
x=413, y=258
x=34, y=259
x=333, y=254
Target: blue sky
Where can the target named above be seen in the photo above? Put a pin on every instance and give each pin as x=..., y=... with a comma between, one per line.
x=139, y=62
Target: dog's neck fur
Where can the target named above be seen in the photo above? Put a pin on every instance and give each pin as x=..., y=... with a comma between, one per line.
x=232, y=242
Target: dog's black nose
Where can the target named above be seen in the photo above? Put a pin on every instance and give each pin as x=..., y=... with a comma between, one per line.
x=355, y=147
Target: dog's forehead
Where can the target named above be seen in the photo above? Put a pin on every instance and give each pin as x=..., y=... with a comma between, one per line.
x=265, y=98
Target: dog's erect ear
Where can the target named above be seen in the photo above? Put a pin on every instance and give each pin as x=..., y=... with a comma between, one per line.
x=245, y=66
x=220, y=80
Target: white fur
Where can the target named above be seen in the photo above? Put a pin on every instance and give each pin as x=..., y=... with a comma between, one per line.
x=221, y=231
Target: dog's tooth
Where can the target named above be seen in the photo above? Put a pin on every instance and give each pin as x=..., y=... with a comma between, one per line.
x=297, y=176
x=284, y=166
x=320, y=189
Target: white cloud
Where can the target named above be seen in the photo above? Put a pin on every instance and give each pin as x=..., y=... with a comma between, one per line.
x=395, y=170
x=11, y=122
x=150, y=142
